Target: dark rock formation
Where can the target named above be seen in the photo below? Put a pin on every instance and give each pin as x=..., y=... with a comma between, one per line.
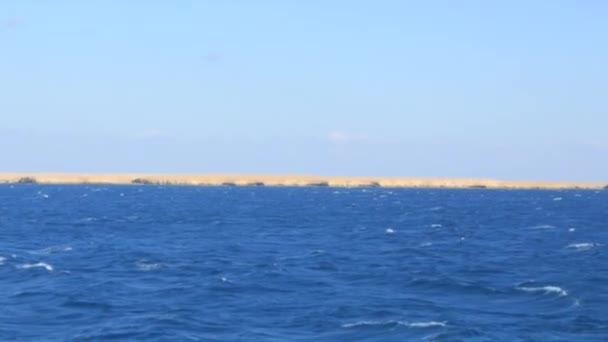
x=477, y=186
x=27, y=180
x=142, y=181
x=318, y=184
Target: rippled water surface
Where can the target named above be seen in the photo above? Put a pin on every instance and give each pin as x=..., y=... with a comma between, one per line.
x=275, y=264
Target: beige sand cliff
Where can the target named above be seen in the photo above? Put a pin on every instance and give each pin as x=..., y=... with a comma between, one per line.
x=287, y=180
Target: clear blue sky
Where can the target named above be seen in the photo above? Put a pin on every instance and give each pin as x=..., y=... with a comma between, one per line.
x=504, y=89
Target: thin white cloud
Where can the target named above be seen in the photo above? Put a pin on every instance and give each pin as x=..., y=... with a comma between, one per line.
x=338, y=137
x=343, y=137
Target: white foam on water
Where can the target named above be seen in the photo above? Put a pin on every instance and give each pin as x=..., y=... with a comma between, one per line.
x=435, y=208
x=121, y=194
x=44, y=265
x=426, y=324
x=2, y=260
x=429, y=324
x=52, y=249
x=583, y=246
x=225, y=280
x=436, y=225
x=543, y=226
x=557, y=199
x=364, y=323
x=144, y=265
x=571, y=229
x=578, y=195
x=390, y=231
x=426, y=244
x=546, y=289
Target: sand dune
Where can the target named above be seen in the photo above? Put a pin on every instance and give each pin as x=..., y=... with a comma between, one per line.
x=286, y=180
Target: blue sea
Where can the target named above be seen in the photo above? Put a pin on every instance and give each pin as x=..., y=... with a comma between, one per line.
x=154, y=263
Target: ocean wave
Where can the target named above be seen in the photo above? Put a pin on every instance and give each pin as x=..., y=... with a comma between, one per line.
x=314, y=253
x=543, y=226
x=583, y=246
x=51, y=249
x=436, y=225
x=44, y=265
x=144, y=265
x=226, y=280
x=557, y=198
x=443, y=284
x=426, y=324
x=390, y=231
x=545, y=289
x=2, y=260
x=429, y=324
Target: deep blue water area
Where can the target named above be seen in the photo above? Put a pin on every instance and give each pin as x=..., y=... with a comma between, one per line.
x=92, y=262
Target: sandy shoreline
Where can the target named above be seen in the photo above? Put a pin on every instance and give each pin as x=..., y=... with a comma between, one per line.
x=287, y=180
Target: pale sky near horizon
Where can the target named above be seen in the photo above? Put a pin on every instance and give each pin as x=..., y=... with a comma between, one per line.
x=500, y=89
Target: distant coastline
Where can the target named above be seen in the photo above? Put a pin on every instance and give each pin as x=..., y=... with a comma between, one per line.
x=288, y=180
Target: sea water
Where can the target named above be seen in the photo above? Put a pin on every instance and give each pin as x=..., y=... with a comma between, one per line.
x=93, y=262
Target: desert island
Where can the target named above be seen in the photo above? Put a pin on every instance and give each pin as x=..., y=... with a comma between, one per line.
x=288, y=180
